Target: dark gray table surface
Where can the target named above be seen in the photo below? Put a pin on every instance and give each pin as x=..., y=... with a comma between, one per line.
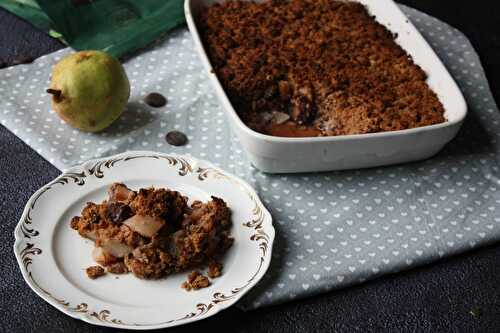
x=435, y=298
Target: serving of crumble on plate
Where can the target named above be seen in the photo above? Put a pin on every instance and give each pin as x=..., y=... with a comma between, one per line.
x=154, y=233
x=131, y=209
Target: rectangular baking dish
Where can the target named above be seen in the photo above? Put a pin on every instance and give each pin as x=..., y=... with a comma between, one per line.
x=290, y=155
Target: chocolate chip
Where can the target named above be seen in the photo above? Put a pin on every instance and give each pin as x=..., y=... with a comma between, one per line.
x=155, y=100
x=270, y=92
x=22, y=60
x=118, y=212
x=176, y=138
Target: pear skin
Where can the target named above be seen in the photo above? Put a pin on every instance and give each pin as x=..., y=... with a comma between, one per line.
x=89, y=89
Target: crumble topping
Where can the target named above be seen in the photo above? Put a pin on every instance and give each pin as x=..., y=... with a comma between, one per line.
x=214, y=269
x=315, y=68
x=154, y=232
x=93, y=272
x=195, y=281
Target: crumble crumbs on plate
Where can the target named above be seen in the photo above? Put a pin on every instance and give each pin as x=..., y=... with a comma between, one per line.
x=195, y=281
x=93, y=272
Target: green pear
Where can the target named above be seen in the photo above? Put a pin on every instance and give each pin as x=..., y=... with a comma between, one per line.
x=89, y=90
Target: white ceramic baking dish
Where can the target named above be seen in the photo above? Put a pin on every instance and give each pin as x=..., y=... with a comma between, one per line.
x=286, y=155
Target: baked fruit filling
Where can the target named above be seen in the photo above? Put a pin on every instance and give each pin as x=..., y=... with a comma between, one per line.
x=315, y=68
x=154, y=232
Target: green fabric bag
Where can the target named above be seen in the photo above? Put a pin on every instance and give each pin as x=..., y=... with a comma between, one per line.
x=28, y=10
x=115, y=26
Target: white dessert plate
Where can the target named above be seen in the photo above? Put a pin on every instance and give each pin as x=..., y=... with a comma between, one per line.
x=53, y=257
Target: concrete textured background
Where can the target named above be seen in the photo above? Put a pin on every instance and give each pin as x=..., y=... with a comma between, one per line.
x=435, y=298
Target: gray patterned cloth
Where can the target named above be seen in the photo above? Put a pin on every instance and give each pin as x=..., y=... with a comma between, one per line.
x=333, y=229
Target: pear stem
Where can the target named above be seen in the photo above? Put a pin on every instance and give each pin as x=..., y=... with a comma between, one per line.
x=55, y=92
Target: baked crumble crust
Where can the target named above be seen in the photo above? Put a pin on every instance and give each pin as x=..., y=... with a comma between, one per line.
x=214, y=269
x=117, y=268
x=93, y=272
x=154, y=232
x=195, y=280
x=315, y=68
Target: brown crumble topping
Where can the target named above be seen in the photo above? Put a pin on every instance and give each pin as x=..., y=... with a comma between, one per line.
x=154, y=233
x=93, y=272
x=195, y=280
x=315, y=68
x=214, y=269
x=117, y=268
